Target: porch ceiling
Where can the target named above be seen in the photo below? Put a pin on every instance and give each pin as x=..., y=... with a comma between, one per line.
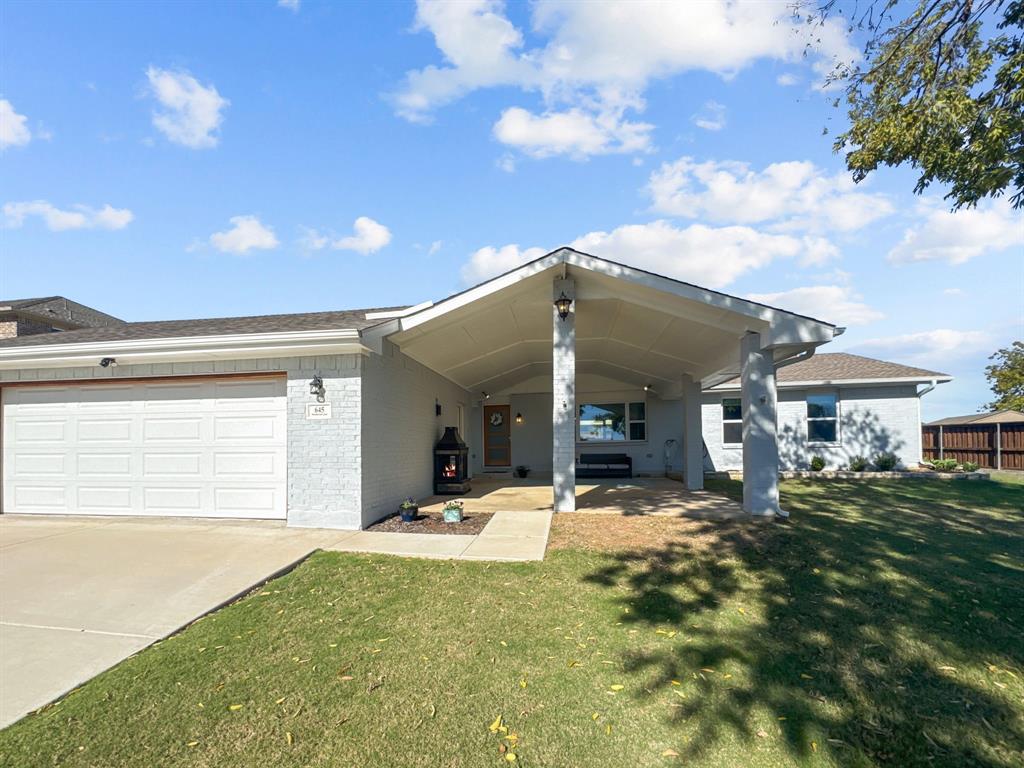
x=624, y=330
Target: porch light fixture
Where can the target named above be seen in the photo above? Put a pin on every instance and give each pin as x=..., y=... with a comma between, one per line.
x=647, y=387
x=108, y=362
x=485, y=396
x=316, y=388
x=562, y=304
x=519, y=418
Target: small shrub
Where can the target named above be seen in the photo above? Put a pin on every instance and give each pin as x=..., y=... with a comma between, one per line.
x=944, y=465
x=817, y=463
x=858, y=464
x=970, y=466
x=886, y=462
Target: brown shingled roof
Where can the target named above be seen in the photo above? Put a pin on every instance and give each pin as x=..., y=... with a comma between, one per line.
x=1007, y=416
x=842, y=366
x=354, y=319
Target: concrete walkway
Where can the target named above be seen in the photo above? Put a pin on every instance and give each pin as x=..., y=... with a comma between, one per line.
x=508, y=537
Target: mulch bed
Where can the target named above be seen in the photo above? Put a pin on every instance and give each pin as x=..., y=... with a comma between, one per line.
x=433, y=522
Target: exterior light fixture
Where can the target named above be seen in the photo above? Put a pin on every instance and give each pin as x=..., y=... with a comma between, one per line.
x=485, y=396
x=108, y=362
x=437, y=407
x=519, y=418
x=562, y=304
x=647, y=387
x=316, y=388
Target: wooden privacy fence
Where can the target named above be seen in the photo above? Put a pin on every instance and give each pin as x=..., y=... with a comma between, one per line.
x=996, y=446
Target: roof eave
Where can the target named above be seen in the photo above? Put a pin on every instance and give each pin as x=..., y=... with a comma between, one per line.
x=844, y=382
x=185, y=348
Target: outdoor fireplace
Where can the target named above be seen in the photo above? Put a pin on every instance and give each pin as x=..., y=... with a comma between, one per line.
x=451, y=461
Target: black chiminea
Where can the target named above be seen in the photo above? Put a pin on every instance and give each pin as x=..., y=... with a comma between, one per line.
x=451, y=460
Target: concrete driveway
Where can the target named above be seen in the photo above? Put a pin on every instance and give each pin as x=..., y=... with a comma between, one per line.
x=78, y=595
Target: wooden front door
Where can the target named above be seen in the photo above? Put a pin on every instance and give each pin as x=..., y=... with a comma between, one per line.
x=497, y=446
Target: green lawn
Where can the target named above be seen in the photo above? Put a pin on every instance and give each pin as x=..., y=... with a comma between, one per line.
x=882, y=625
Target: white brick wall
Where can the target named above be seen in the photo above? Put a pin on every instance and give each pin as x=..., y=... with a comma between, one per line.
x=871, y=420
x=400, y=429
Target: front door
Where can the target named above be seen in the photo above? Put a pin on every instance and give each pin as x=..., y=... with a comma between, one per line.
x=497, y=446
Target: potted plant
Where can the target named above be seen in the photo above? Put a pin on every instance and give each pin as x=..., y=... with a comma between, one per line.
x=817, y=463
x=408, y=509
x=452, y=511
x=522, y=470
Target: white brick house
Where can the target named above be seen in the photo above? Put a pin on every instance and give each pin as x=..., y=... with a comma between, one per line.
x=329, y=419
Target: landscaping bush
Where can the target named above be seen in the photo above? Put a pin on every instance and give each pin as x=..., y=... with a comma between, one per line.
x=886, y=462
x=970, y=466
x=858, y=464
x=944, y=465
x=817, y=463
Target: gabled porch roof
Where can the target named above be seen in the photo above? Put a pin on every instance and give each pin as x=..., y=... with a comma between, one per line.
x=631, y=325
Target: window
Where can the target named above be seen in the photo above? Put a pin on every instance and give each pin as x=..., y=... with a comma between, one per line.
x=822, y=418
x=732, y=421
x=608, y=422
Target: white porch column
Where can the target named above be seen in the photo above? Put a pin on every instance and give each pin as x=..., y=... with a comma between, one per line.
x=693, y=436
x=563, y=391
x=760, y=441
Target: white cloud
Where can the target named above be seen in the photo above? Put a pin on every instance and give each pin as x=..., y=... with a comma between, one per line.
x=708, y=256
x=959, y=236
x=787, y=79
x=291, y=5
x=14, y=130
x=434, y=247
x=929, y=348
x=56, y=219
x=711, y=117
x=600, y=57
x=490, y=261
x=790, y=195
x=953, y=292
x=191, y=112
x=247, y=233
x=507, y=163
x=369, y=237
x=833, y=303
x=575, y=133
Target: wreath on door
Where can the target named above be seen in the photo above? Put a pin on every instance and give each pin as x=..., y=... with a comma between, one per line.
x=497, y=419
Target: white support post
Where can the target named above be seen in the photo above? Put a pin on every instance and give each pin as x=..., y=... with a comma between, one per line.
x=693, y=436
x=563, y=391
x=760, y=438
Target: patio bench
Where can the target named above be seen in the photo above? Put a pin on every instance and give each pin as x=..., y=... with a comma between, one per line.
x=604, y=465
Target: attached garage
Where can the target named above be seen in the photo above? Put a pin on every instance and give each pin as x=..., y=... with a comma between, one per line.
x=189, y=447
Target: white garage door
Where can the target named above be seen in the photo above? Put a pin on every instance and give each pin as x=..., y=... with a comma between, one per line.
x=190, y=448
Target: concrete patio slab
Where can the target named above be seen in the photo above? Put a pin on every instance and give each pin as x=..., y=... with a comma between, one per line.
x=526, y=523
x=506, y=548
x=77, y=595
x=429, y=545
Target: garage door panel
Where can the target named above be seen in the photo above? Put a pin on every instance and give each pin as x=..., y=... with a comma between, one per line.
x=172, y=430
x=105, y=465
x=210, y=448
x=107, y=430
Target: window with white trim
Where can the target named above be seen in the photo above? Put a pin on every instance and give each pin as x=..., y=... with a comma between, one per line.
x=611, y=422
x=732, y=421
x=823, y=417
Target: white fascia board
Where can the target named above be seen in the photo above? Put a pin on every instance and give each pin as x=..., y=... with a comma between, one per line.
x=843, y=382
x=399, y=312
x=178, y=349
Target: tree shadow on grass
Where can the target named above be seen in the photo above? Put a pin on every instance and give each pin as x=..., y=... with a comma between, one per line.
x=880, y=623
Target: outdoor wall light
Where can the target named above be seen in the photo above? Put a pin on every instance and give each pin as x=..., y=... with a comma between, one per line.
x=648, y=387
x=485, y=396
x=519, y=418
x=562, y=304
x=437, y=407
x=108, y=362
x=316, y=388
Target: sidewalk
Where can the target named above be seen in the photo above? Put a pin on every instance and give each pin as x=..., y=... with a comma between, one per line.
x=508, y=537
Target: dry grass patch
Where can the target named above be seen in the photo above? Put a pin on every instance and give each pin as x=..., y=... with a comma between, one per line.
x=639, y=534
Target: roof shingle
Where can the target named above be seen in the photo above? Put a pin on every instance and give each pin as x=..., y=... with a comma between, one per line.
x=842, y=366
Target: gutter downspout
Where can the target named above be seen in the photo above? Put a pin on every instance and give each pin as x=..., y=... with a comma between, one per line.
x=807, y=354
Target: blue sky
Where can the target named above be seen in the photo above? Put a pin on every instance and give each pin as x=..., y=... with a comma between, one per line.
x=194, y=160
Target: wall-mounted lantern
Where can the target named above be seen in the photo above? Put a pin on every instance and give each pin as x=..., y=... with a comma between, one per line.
x=316, y=388
x=519, y=418
x=562, y=304
x=437, y=407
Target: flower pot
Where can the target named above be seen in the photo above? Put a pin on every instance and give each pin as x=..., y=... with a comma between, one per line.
x=408, y=514
x=453, y=515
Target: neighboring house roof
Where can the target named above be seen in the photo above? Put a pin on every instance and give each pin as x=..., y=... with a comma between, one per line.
x=59, y=312
x=835, y=367
x=1007, y=416
x=351, y=319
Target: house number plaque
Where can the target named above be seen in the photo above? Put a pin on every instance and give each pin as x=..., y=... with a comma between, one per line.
x=318, y=410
